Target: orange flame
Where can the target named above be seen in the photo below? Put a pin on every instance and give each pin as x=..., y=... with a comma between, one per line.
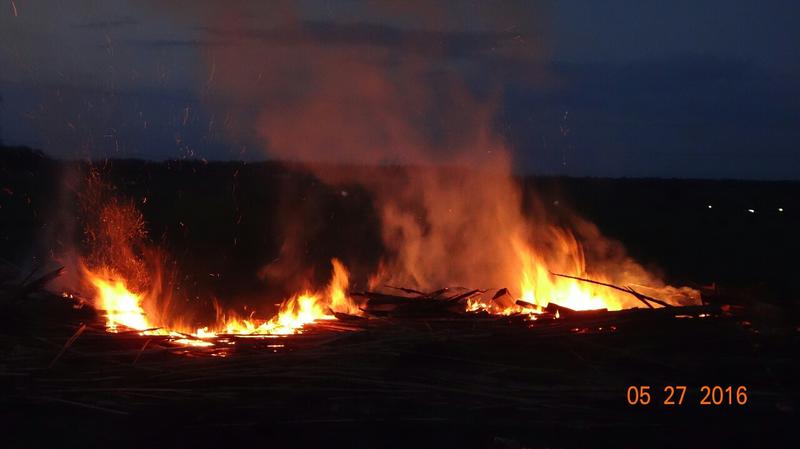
x=303, y=309
x=538, y=286
x=124, y=309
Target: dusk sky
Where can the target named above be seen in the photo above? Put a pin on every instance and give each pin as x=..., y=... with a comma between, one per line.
x=689, y=89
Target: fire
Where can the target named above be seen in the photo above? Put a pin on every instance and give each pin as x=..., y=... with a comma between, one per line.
x=294, y=313
x=303, y=309
x=452, y=212
x=125, y=273
x=127, y=278
x=337, y=291
x=538, y=285
x=124, y=309
x=122, y=306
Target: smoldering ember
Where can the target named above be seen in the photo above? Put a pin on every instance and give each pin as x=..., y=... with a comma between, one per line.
x=374, y=224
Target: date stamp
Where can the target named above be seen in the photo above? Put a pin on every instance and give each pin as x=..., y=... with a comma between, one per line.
x=675, y=395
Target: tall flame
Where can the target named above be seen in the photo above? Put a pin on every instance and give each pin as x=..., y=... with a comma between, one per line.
x=539, y=286
x=122, y=307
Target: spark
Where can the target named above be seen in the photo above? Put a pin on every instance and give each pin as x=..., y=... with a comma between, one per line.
x=780, y=209
x=752, y=211
x=14, y=9
x=710, y=207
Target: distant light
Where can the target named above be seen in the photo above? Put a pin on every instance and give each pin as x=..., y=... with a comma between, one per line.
x=710, y=207
x=780, y=209
x=752, y=211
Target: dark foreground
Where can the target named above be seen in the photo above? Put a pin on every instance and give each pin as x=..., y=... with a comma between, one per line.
x=443, y=381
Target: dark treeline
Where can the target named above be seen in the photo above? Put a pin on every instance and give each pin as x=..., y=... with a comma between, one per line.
x=231, y=227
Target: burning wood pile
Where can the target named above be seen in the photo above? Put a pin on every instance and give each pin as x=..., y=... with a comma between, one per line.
x=352, y=375
x=118, y=313
x=110, y=336
x=335, y=309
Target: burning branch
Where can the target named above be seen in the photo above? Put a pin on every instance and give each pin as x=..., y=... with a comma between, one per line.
x=641, y=297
